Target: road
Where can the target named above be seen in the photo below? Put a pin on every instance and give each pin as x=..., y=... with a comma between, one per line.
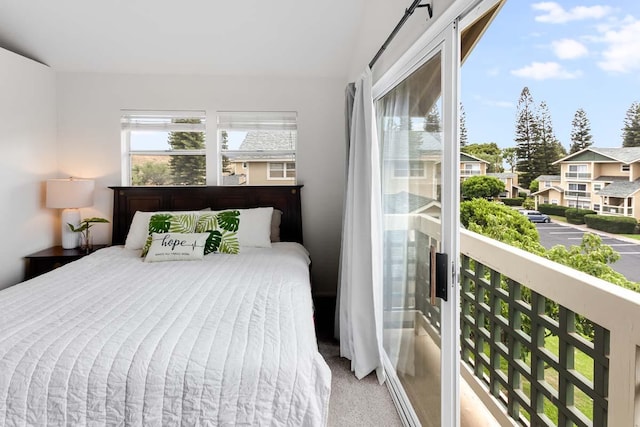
x=628, y=264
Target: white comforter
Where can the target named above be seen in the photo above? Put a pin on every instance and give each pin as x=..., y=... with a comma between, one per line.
x=112, y=340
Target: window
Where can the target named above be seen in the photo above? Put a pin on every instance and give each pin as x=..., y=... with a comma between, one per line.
x=577, y=168
x=597, y=187
x=547, y=184
x=282, y=170
x=408, y=168
x=554, y=201
x=578, y=187
x=624, y=168
x=596, y=207
x=163, y=147
x=257, y=148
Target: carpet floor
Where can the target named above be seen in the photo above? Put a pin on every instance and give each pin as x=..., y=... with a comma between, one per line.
x=355, y=402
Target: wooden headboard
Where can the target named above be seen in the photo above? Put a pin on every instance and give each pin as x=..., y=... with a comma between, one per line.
x=128, y=200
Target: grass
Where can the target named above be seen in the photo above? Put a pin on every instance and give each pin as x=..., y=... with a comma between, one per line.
x=632, y=236
x=583, y=364
x=558, y=218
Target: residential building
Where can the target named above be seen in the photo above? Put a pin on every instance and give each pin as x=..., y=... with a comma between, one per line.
x=471, y=166
x=549, y=190
x=510, y=180
x=263, y=158
x=606, y=180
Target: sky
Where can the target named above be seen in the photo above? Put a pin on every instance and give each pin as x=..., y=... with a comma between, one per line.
x=570, y=54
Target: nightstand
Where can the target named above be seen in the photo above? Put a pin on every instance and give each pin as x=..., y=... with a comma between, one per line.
x=48, y=259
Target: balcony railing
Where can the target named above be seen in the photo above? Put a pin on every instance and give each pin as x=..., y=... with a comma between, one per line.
x=617, y=210
x=470, y=172
x=577, y=175
x=542, y=343
x=584, y=194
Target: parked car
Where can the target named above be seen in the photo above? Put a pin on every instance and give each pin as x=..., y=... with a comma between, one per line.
x=535, y=216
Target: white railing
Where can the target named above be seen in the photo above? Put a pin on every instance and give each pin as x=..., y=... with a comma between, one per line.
x=577, y=175
x=470, y=172
x=612, y=307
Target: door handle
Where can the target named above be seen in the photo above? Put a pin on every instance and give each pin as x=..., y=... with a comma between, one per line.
x=438, y=275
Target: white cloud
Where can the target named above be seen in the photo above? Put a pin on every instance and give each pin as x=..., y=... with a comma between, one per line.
x=569, y=49
x=545, y=71
x=622, y=53
x=554, y=13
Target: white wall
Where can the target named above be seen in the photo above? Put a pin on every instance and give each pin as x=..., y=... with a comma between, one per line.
x=28, y=141
x=89, y=139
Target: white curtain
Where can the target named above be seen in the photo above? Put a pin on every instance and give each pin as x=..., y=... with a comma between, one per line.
x=360, y=284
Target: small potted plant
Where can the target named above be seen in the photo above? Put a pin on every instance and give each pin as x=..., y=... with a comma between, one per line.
x=83, y=228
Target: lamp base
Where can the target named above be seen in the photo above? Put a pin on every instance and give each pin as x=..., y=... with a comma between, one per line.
x=70, y=238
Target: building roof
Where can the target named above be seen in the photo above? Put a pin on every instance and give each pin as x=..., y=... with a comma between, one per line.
x=606, y=178
x=501, y=175
x=544, y=190
x=594, y=154
x=466, y=157
x=404, y=202
x=269, y=140
x=620, y=189
x=542, y=178
x=260, y=145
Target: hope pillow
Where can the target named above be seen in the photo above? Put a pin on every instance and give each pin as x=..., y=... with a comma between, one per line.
x=176, y=246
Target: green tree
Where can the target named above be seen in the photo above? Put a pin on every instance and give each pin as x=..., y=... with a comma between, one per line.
x=580, y=132
x=510, y=156
x=482, y=186
x=488, y=151
x=548, y=149
x=534, y=186
x=432, y=123
x=151, y=173
x=464, y=138
x=224, y=145
x=631, y=129
x=187, y=169
x=526, y=138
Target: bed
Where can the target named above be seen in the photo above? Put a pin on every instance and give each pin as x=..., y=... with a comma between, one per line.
x=113, y=340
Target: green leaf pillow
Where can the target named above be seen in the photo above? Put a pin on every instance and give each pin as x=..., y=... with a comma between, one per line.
x=223, y=231
x=170, y=223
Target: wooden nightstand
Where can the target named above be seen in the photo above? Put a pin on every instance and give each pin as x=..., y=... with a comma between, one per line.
x=48, y=259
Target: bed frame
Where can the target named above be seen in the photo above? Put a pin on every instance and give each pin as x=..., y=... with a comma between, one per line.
x=128, y=200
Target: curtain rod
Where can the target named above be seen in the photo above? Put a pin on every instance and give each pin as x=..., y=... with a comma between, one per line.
x=407, y=13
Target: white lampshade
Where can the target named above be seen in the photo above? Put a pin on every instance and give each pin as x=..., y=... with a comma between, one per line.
x=70, y=193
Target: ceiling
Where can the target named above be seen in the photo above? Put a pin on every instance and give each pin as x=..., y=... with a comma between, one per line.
x=249, y=37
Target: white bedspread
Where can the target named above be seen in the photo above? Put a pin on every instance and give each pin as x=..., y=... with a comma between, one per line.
x=112, y=340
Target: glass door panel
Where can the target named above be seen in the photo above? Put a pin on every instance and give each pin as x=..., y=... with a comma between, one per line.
x=411, y=136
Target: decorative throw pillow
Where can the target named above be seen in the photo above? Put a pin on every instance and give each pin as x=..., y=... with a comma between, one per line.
x=222, y=228
x=170, y=223
x=256, y=227
x=176, y=247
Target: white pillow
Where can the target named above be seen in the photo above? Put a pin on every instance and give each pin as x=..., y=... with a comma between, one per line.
x=139, y=230
x=255, y=227
x=176, y=247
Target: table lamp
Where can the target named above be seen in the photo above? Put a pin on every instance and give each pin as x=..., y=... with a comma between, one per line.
x=69, y=194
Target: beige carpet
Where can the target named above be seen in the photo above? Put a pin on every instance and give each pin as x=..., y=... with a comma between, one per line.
x=356, y=402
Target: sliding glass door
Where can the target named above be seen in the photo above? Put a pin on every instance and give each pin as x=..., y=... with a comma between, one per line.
x=418, y=138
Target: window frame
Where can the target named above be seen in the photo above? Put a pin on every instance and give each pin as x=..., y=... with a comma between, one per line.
x=257, y=121
x=410, y=163
x=625, y=168
x=151, y=121
x=285, y=170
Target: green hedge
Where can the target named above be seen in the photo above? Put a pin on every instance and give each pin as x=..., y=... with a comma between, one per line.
x=552, y=209
x=576, y=216
x=517, y=201
x=612, y=224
